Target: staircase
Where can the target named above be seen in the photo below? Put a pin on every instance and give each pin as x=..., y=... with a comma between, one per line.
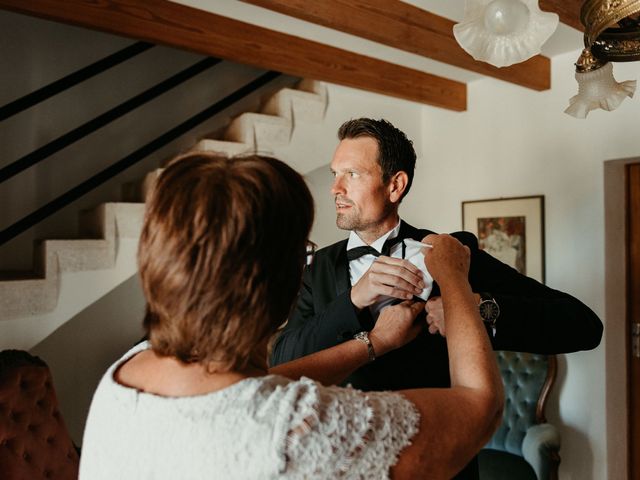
x=70, y=275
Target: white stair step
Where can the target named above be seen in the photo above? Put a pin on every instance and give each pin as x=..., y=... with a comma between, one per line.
x=111, y=220
x=314, y=86
x=22, y=298
x=226, y=149
x=263, y=132
x=129, y=219
x=295, y=105
x=81, y=255
x=115, y=222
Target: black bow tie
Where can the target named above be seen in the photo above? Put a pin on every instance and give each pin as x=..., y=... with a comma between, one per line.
x=357, y=252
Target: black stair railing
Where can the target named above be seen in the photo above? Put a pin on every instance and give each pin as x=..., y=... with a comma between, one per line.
x=72, y=79
x=81, y=189
x=104, y=119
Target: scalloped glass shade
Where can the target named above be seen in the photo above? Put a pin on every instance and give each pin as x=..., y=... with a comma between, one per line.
x=598, y=89
x=504, y=32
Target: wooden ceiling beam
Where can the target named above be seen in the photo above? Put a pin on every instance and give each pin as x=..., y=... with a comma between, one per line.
x=568, y=10
x=406, y=27
x=172, y=24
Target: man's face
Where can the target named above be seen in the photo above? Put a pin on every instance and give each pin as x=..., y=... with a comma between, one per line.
x=361, y=197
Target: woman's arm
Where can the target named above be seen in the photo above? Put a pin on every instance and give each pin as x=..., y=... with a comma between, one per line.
x=395, y=327
x=455, y=423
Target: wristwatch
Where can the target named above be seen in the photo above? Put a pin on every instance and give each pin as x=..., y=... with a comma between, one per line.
x=364, y=337
x=489, y=311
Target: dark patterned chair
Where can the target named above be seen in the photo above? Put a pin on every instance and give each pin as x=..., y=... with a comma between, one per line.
x=34, y=442
x=525, y=446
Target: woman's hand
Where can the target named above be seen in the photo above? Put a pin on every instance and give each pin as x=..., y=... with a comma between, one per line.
x=448, y=260
x=396, y=326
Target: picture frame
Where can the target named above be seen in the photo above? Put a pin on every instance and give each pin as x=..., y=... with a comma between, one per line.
x=510, y=229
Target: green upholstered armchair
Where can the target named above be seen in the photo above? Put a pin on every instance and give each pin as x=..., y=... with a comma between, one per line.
x=525, y=446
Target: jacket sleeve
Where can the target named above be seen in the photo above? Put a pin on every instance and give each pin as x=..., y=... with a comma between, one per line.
x=310, y=328
x=533, y=317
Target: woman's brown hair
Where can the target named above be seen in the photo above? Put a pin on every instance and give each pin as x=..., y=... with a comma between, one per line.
x=221, y=255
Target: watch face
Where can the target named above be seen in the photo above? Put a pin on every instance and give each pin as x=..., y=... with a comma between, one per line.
x=489, y=311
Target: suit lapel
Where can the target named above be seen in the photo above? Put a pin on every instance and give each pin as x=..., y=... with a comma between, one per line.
x=343, y=281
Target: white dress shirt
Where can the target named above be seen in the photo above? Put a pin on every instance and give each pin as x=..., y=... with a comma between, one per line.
x=359, y=266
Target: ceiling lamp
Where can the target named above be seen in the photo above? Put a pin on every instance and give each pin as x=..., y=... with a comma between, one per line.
x=612, y=34
x=504, y=32
x=596, y=87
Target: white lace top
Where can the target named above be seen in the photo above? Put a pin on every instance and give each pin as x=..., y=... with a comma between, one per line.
x=259, y=428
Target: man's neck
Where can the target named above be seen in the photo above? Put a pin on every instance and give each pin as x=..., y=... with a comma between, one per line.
x=370, y=235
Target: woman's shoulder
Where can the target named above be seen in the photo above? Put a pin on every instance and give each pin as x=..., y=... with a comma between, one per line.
x=132, y=352
x=347, y=430
x=108, y=382
x=306, y=393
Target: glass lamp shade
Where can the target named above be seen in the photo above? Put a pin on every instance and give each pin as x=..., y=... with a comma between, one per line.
x=504, y=32
x=598, y=89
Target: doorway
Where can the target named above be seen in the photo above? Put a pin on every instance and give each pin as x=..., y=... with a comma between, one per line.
x=622, y=305
x=633, y=314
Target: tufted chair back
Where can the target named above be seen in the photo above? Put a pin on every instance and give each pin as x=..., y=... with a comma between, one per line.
x=524, y=446
x=523, y=375
x=34, y=442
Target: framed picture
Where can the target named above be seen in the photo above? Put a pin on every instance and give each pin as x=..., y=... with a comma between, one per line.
x=511, y=230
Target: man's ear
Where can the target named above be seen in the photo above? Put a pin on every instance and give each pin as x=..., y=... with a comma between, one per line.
x=397, y=186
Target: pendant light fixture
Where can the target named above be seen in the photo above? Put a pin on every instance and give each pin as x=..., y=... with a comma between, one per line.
x=504, y=32
x=612, y=34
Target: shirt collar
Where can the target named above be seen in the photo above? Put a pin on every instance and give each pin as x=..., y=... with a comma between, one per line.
x=356, y=241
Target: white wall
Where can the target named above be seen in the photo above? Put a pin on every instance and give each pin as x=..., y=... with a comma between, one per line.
x=79, y=352
x=515, y=142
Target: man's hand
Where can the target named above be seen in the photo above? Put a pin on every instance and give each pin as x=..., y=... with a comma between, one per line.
x=396, y=326
x=387, y=276
x=435, y=315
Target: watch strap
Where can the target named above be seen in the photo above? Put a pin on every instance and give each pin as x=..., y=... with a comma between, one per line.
x=484, y=296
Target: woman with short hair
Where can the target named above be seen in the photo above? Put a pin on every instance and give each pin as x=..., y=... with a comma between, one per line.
x=221, y=257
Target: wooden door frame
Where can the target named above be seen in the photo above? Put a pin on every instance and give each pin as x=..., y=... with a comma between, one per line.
x=632, y=208
x=615, y=320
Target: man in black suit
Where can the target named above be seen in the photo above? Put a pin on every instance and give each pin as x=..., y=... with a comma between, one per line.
x=349, y=282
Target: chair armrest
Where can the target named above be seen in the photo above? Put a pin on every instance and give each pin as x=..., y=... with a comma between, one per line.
x=540, y=448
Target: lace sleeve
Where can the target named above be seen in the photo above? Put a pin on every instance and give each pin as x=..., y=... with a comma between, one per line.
x=345, y=433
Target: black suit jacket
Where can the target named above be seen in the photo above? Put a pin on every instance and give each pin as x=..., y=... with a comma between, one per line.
x=533, y=318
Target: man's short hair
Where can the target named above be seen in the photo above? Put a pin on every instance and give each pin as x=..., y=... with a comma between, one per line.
x=221, y=255
x=395, y=150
